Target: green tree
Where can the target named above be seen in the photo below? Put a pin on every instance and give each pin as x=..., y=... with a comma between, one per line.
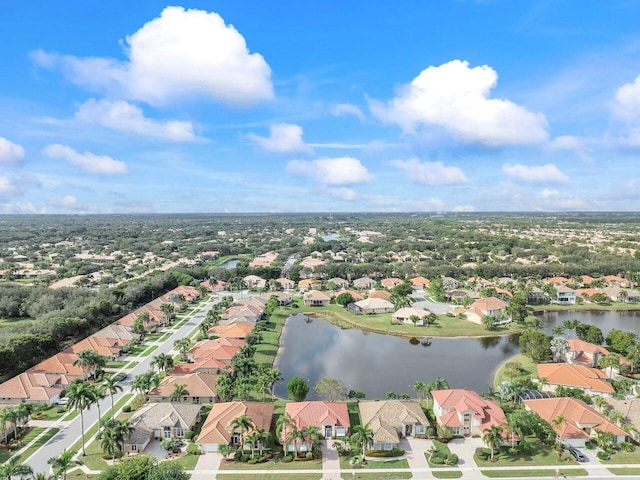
x=535, y=345
x=297, y=389
x=112, y=386
x=589, y=333
x=362, y=434
x=493, y=438
x=242, y=424
x=489, y=322
x=559, y=348
x=610, y=362
x=163, y=362
x=344, y=299
x=436, y=288
x=620, y=341
x=179, y=392
x=420, y=388
x=517, y=308
x=571, y=326
x=330, y=389
x=182, y=345
x=81, y=397
x=13, y=467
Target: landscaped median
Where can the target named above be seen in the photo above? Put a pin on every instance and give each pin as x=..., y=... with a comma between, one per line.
x=271, y=465
x=537, y=472
x=268, y=476
x=541, y=456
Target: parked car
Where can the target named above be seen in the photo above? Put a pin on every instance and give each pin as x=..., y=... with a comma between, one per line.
x=62, y=401
x=121, y=376
x=577, y=454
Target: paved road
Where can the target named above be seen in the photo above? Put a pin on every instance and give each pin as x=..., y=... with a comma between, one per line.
x=71, y=433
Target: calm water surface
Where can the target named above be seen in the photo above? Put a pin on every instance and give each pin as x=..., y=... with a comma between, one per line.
x=375, y=364
x=313, y=348
x=229, y=264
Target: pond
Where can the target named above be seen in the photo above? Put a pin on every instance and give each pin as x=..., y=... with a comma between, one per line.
x=604, y=319
x=229, y=264
x=313, y=348
x=327, y=237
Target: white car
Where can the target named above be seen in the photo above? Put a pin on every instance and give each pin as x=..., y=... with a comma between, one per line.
x=62, y=401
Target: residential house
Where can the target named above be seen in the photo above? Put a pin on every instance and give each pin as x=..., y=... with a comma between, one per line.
x=285, y=283
x=458, y=296
x=536, y=296
x=590, y=380
x=619, y=294
x=420, y=282
x=282, y=297
x=218, y=428
x=236, y=330
x=404, y=315
x=614, y=280
x=450, y=283
x=107, y=347
x=315, y=298
x=34, y=387
x=250, y=312
x=254, y=282
x=565, y=295
x=354, y=294
x=490, y=306
x=363, y=283
x=587, y=354
x=214, y=285
x=392, y=419
x=308, y=284
x=389, y=283
x=201, y=388
x=117, y=332
x=383, y=294
x=63, y=364
x=580, y=420
x=264, y=260
x=331, y=419
x=370, y=306
x=340, y=283
x=465, y=412
x=160, y=421
x=557, y=281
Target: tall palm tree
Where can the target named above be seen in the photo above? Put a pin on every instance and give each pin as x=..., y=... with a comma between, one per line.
x=599, y=402
x=13, y=467
x=109, y=442
x=163, y=362
x=363, y=434
x=4, y=418
x=274, y=377
x=112, y=386
x=167, y=310
x=557, y=423
x=616, y=416
x=99, y=392
x=263, y=438
x=310, y=435
x=493, y=438
x=284, y=425
x=20, y=415
x=80, y=397
x=62, y=463
x=182, y=345
x=243, y=423
x=179, y=392
x=420, y=388
x=570, y=326
x=252, y=439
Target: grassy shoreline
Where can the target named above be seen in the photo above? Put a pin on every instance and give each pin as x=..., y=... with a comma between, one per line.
x=610, y=306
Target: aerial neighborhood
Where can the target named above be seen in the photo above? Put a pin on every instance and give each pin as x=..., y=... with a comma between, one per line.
x=191, y=379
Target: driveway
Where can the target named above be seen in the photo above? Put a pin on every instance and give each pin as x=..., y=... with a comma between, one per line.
x=414, y=453
x=465, y=448
x=330, y=461
x=207, y=466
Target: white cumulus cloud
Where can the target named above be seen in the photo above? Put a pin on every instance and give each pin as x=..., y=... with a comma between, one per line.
x=10, y=152
x=347, y=109
x=125, y=117
x=341, y=193
x=548, y=173
x=556, y=200
x=283, y=138
x=455, y=98
x=431, y=173
x=181, y=53
x=90, y=162
x=626, y=104
x=67, y=201
x=331, y=171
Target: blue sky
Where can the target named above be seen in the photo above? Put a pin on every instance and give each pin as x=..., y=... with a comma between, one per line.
x=290, y=106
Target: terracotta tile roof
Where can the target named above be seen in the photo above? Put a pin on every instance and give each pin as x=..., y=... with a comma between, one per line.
x=391, y=282
x=318, y=414
x=197, y=384
x=34, y=387
x=487, y=304
x=577, y=345
x=218, y=429
x=316, y=295
x=577, y=415
x=354, y=294
x=420, y=282
x=235, y=330
x=486, y=410
x=221, y=352
x=577, y=376
x=383, y=294
x=104, y=346
x=60, y=363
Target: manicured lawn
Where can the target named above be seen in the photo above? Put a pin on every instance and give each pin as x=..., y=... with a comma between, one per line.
x=299, y=465
x=153, y=337
x=589, y=306
x=51, y=413
x=390, y=463
x=149, y=351
x=188, y=462
x=442, y=448
x=624, y=457
x=93, y=458
x=567, y=472
x=625, y=471
x=116, y=365
x=446, y=474
x=267, y=349
x=376, y=476
x=542, y=455
x=444, y=327
x=268, y=476
x=132, y=364
x=528, y=365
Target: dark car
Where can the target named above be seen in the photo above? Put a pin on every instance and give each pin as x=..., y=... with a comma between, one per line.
x=121, y=376
x=577, y=454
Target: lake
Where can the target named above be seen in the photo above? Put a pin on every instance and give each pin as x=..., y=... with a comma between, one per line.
x=313, y=348
x=229, y=264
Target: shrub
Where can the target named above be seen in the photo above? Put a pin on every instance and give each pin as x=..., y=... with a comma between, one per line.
x=437, y=460
x=193, y=449
x=513, y=451
x=126, y=408
x=252, y=461
x=452, y=459
x=627, y=447
x=190, y=434
x=394, y=452
x=309, y=456
x=590, y=444
x=603, y=455
x=245, y=458
x=286, y=459
x=525, y=448
x=431, y=432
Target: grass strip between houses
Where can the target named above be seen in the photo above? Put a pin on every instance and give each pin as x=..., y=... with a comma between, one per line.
x=625, y=471
x=268, y=476
x=295, y=465
x=446, y=474
x=37, y=444
x=376, y=476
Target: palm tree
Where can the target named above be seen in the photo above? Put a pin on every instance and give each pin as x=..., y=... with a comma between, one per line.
x=310, y=435
x=599, y=402
x=400, y=301
x=99, y=392
x=167, y=310
x=144, y=318
x=263, y=437
x=163, y=362
x=4, y=418
x=114, y=435
x=571, y=325
x=13, y=467
x=493, y=438
x=440, y=384
x=274, y=377
x=557, y=423
x=363, y=434
x=420, y=388
x=62, y=463
x=182, y=345
x=488, y=322
x=609, y=362
x=616, y=416
x=283, y=426
x=252, y=440
x=179, y=392
x=225, y=449
x=243, y=423
x=80, y=397
x=20, y=415
x=112, y=386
